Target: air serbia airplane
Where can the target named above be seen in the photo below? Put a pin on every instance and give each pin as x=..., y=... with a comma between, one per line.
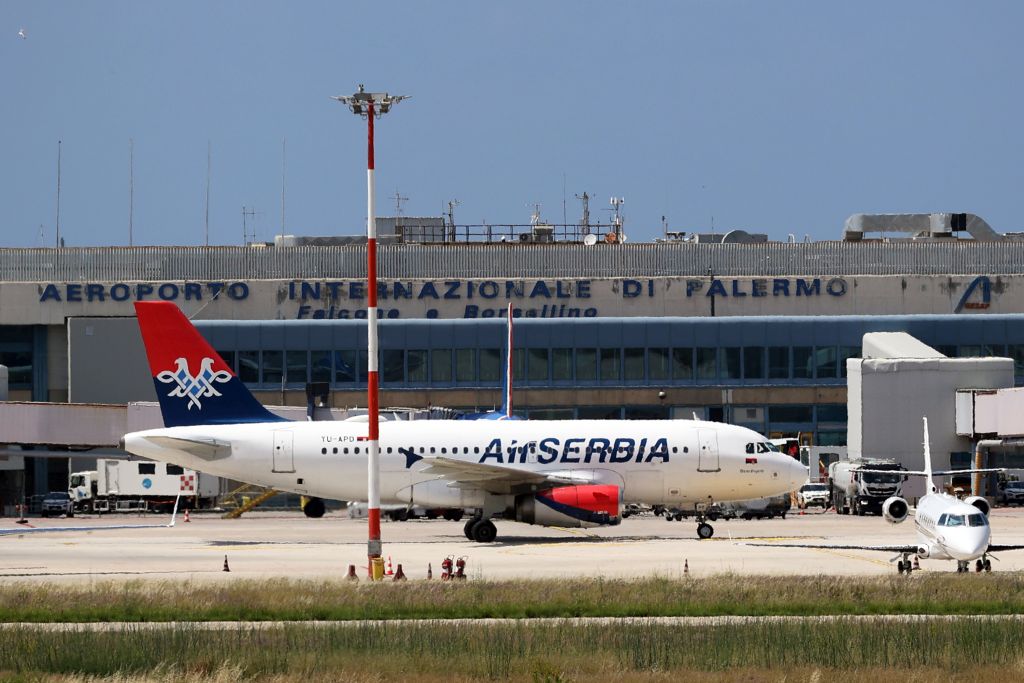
x=566, y=473
x=947, y=528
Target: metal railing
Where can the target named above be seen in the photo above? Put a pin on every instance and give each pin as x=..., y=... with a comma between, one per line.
x=512, y=260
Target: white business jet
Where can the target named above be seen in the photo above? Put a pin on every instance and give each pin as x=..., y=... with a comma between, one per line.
x=947, y=528
x=567, y=473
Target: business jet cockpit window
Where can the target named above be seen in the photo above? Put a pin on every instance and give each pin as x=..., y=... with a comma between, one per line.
x=977, y=519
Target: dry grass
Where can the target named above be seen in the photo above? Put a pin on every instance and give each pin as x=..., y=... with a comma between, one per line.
x=338, y=600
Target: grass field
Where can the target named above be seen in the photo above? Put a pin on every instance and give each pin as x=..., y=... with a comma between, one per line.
x=945, y=593
x=526, y=651
x=840, y=650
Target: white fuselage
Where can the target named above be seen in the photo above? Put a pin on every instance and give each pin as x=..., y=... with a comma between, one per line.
x=967, y=539
x=662, y=462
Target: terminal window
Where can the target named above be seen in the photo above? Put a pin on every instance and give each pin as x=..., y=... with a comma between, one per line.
x=657, y=363
x=441, y=365
x=249, y=366
x=778, y=362
x=417, y=360
x=729, y=362
x=706, y=363
x=610, y=364
x=753, y=362
x=537, y=364
x=393, y=366
x=345, y=366
x=465, y=365
x=803, y=366
x=586, y=364
x=272, y=370
x=320, y=366
x=633, y=364
x=561, y=364
x=682, y=363
x=490, y=365
x=297, y=367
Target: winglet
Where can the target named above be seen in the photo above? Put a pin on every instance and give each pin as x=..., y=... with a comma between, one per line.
x=928, y=458
x=174, y=512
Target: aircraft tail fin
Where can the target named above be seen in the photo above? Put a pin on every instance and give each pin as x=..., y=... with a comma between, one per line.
x=928, y=459
x=193, y=383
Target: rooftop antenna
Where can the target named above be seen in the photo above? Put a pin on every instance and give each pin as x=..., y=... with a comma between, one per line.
x=248, y=212
x=617, y=203
x=284, y=149
x=664, y=226
x=131, y=188
x=207, y=224
x=565, y=218
x=58, y=240
x=452, y=203
x=398, y=202
x=585, y=221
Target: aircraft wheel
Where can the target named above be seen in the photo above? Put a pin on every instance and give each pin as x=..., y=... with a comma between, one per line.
x=402, y=516
x=468, y=528
x=978, y=566
x=988, y=565
x=899, y=567
x=484, y=531
x=705, y=530
x=457, y=515
x=669, y=518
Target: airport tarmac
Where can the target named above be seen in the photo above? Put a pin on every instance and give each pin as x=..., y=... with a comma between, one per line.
x=289, y=545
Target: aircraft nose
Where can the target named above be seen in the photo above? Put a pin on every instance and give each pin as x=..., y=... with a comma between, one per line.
x=968, y=545
x=796, y=472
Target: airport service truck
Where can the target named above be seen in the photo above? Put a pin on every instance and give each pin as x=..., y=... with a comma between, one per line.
x=855, y=492
x=133, y=485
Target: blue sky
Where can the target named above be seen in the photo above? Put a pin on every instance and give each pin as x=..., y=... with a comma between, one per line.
x=777, y=117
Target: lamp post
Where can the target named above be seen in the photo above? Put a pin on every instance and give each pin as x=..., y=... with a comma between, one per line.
x=371, y=105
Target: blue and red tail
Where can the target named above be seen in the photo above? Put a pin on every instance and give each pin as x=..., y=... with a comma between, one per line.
x=193, y=383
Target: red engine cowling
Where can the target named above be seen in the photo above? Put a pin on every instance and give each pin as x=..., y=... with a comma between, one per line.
x=571, y=506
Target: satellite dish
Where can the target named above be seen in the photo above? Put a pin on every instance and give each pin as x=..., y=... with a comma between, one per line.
x=590, y=240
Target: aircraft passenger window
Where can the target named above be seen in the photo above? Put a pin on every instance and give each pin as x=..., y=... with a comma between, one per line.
x=431, y=449
x=345, y=450
x=444, y=450
x=323, y=451
x=421, y=449
x=476, y=449
x=335, y=450
x=955, y=520
x=356, y=450
x=389, y=449
x=976, y=519
x=675, y=449
x=750, y=448
x=686, y=449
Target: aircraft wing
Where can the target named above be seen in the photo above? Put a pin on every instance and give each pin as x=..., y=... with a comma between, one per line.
x=207, y=449
x=493, y=478
x=44, y=529
x=993, y=548
x=828, y=546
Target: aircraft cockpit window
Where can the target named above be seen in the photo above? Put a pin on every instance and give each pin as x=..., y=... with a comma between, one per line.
x=763, y=448
x=750, y=448
x=977, y=519
x=955, y=520
x=772, y=447
x=942, y=520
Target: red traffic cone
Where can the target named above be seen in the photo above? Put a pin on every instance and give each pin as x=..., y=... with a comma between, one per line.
x=430, y=571
x=389, y=572
x=399, y=575
x=186, y=520
x=226, y=567
x=352, y=573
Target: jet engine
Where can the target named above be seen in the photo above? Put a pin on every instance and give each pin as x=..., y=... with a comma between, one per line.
x=895, y=510
x=923, y=551
x=980, y=503
x=571, y=506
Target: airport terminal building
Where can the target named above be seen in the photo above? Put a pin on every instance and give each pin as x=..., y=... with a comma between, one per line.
x=755, y=333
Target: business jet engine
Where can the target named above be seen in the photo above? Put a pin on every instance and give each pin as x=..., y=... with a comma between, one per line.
x=895, y=510
x=571, y=506
x=980, y=503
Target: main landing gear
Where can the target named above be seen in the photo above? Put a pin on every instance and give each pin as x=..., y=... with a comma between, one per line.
x=480, y=530
x=983, y=564
x=704, y=530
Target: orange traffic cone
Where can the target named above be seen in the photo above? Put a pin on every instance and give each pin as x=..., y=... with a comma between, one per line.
x=187, y=520
x=389, y=572
x=399, y=575
x=226, y=567
x=430, y=571
x=352, y=573
x=686, y=566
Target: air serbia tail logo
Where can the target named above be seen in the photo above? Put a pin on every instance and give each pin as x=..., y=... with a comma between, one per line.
x=175, y=349
x=194, y=387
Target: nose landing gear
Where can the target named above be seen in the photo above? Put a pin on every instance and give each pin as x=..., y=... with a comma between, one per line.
x=905, y=565
x=704, y=530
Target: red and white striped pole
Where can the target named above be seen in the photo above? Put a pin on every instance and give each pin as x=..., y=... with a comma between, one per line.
x=367, y=104
x=373, y=545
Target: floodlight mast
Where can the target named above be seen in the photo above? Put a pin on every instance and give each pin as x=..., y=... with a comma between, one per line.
x=370, y=106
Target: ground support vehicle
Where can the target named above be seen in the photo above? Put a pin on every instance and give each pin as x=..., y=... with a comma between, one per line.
x=857, y=487
x=812, y=495
x=57, y=503
x=134, y=485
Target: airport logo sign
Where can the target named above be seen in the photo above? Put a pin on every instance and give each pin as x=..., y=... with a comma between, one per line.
x=194, y=387
x=984, y=286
